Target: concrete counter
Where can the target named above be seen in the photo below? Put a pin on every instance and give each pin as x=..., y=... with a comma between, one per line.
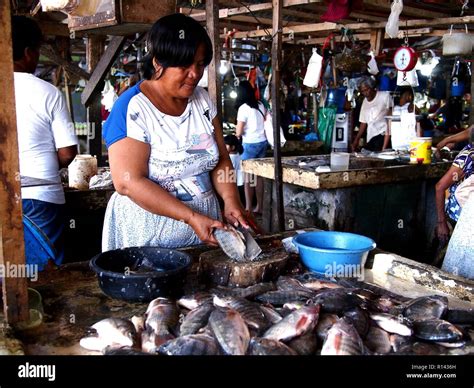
x=392, y=203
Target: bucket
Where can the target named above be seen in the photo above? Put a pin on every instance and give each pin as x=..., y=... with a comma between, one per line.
x=339, y=161
x=81, y=170
x=420, y=150
x=458, y=43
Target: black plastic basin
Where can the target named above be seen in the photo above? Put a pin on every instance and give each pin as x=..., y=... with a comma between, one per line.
x=141, y=274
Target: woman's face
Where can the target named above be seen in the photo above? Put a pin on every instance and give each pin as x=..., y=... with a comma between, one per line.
x=181, y=81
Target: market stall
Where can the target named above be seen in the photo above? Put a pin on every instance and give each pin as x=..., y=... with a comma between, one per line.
x=73, y=301
x=379, y=196
x=388, y=200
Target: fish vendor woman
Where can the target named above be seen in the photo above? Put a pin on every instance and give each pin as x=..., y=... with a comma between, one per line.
x=166, y=149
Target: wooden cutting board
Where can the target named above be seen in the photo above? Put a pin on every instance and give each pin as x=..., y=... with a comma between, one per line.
x=215, y=268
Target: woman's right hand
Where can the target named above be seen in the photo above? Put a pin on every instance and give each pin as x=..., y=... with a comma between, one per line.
x=442, y=231
x=204, y=227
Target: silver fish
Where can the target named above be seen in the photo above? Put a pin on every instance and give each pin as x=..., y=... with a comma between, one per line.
x=426, y=307
x=162, y=315
x=393, y=324
x=139, y=323
x=378, y=340
x=249, y=311
x=251, y=291
x=315, y=284
x=342, y=339
x=190, y=345
x=281, y=297
x=269, y=347
x=325, y=322
x=360, y=320
x=337, y=300
x=295, y=324
x=304, y=345
x=192, y=301
x=114, y=332
x=230, y=331
x=271, y=314
x=232, y=242
x=437, y=330
x=196, y=319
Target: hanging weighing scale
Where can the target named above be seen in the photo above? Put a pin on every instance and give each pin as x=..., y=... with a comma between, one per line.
x=405, y=60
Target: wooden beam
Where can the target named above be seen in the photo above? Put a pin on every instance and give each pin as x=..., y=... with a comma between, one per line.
x=12, y=246
x=49, y=52
x=376, y=40
x=226, y=12
x=100, y=71
x=367, y=36
x=407, y=10
x=330, y=27
x=275, y=90
x=214, y=81
x=94, y=54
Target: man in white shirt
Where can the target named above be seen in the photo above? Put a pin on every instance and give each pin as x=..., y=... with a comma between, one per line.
x=46, y=137
x=372, y=117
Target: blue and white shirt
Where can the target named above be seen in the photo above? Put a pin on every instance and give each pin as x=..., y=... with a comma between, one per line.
x=464, y=161
x=183, y=149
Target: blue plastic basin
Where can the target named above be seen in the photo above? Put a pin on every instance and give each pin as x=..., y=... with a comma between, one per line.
x=334, y=254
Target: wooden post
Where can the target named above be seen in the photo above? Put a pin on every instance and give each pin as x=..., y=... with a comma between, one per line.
x=94, y=50
x=471, y=113
x=63, y=43
x=315, y=112
x=276, y=59
x=212, y=23
x=12, y=248
x=376, y=40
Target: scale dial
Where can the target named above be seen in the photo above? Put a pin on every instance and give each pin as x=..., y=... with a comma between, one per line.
x=405, y=59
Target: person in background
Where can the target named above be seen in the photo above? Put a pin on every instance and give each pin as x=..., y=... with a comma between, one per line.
x=46, y=136
x=372, y=117
x=235, y=149
x=402, y=131
x=166, y=149
x=250, y=127
x=461, y=169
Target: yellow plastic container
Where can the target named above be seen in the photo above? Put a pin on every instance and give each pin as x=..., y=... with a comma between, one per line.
x=420, y=150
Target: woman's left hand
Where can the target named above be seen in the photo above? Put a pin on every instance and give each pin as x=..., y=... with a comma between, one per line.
x=235, y=214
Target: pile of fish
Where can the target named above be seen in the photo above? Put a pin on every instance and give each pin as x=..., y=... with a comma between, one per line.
x=293, y=316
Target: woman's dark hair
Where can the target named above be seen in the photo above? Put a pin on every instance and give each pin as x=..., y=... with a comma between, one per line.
x=246, y=95
x=173, y=42
x=234, y=142
x=25, y=34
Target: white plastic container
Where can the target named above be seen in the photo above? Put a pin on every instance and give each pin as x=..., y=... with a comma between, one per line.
x=339, y=161
x=457, y=43
x=81, y=170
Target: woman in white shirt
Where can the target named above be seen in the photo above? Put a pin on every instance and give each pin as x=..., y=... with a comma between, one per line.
x=250, y=127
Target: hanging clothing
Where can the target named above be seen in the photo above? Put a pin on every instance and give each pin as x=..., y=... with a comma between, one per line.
x=403, y=131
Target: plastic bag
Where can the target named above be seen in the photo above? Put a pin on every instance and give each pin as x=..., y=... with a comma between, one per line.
x=408, y=79
x=372, y=65
x=108, y=96
x=391, y=28
x=326, y=121
x=313, y=72
x=268, y=126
